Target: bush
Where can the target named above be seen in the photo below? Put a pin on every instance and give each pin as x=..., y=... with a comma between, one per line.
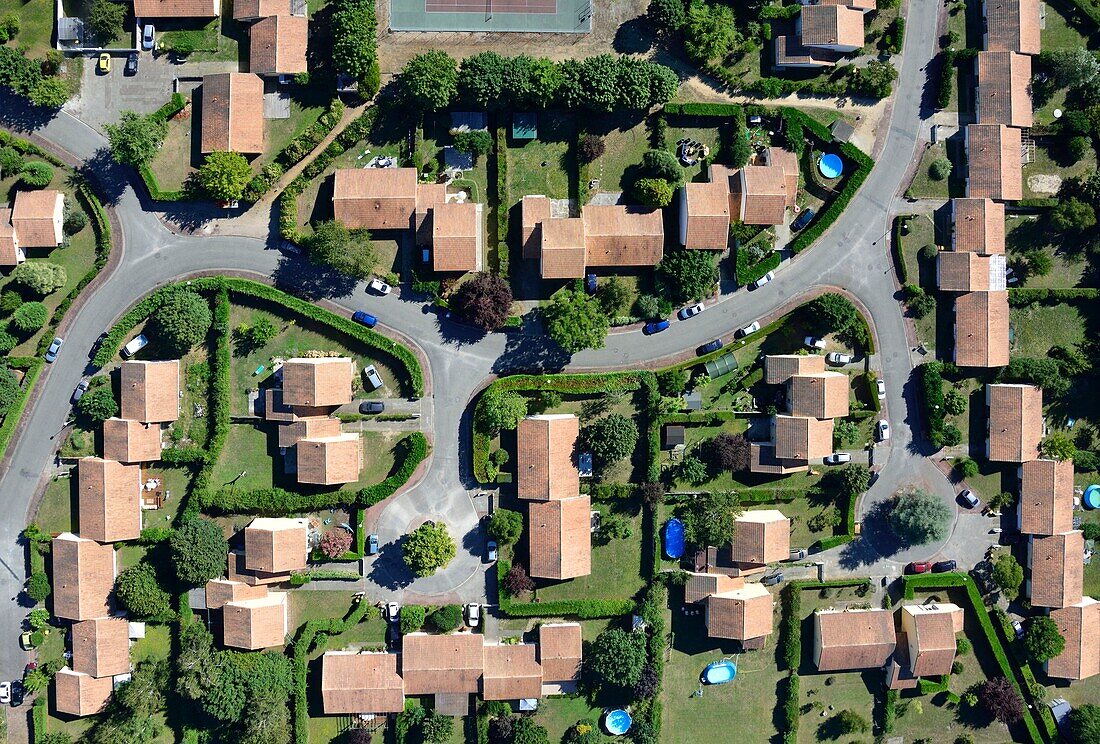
x=335, y=542
x=36, y=175
x=592, y=146
x=39, y=277
x=653, y=192
x=411, y=619
x=98, y=404
x=199, y=551
x=38, y=586
x=139, y=592
x=446, y=618
x=940, y=169
x=30, y=317
x=966, y=467
x=516, y=582
x=75, y=221
x=428, y=548
x=11, y=160
x=476, y=142
x=506, y=526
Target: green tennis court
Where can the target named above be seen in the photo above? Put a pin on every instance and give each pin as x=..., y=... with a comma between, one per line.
x=525, y=16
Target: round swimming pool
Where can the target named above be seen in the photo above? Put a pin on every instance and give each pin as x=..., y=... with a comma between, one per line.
x=1091, y=498
x=830, y=165
x=617, y=722
x=719, y=673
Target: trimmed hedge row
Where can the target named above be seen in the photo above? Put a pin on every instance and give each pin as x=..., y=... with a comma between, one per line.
x=586, y=609
x=295, y=151
x=833, y=210
x=1021, y=297
x=175, y=104
x=899, y=254
x=500, y=140
x=1089, y=9
x=790, y=627
x=789, y=700
x=704, y=109
x=33, y=367
x=932, y=399
x=26, y=147
x=928, y=687
x=749, y=273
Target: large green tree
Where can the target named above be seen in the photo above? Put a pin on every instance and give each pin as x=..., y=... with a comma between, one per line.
x=711, y=518
x=136, y=138
x=575, y=321
x=428, y=548
x=1084, y=723
x=350, y=252
x=611, y=438
x=506, y=526
x=1058, y=446
x=223, y=175
x=1008, y=574
x=139, y=591
x=105, y=19
x=429, y=81
x=709, y=32
x=39, y=277
x=98, y=404
x=1043, y=640
x=919, y=517
x=182, y=322
x=354, y=42
x=687, y=275
x=500, y=409
x=617, y=658
x=199, y=551
x=485, y=301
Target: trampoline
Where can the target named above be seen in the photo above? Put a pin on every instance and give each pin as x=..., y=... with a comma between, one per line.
x=719, y=673
x=617, y=722
x=830, y=165
x=674, y=539
x=1091, y=499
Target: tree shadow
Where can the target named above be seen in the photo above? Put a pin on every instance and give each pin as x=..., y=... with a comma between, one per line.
x=634, y=36
x=532, y=354
x=301, y=277
x=389, y=570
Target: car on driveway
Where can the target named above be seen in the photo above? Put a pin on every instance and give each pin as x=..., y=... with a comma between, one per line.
x=103, y=66
x=131, y=64
x=918, y=567
x=882, y=430
x=378, y=286
x=944, y=566
x=25, y=641
x=136, y=344
x=148, y=36
x=372, y=544
x=762, y=280
x=880, y=388
x=393, y=611
x=835, y=357
x=655, y=327
x=772, y=580
x=752, y=327
x=814, y=343
x=802, y=220
x=1018, y=628
x=491, y=550
x=707, y=348
x=968, y=498
x=371, y=373
x=690, y=311
x=364, y=319
x=590, y=284
x=55, y=346
x=5, y=692
x=838, y=458
x=372, y=406
x=81, y=388
x=473, y=614
x=17, y=693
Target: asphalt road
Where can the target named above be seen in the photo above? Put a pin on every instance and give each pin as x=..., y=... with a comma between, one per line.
x=852, y=255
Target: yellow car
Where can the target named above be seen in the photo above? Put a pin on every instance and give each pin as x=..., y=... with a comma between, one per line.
x=104, y=65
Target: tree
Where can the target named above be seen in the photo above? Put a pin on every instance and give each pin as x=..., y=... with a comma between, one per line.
x=846, y=433
x=51, y=92
x=436, y=728
x=268, y=720
x=182, y=322
x=98, y=404
x=613, y=296
x=428, y=548
x=223, y=175
x=105, y=19
x=1000, y=700
x=30, y=317
x=617, y=658
x=144, y=693
x=1072, y=216
x=38, y=586
x=875, y=80
x=429, y=81
x=481, y=80
x=575, y=321
x=848, y=722
x=199, y=551
x=585, y=730
x=506, y=526
x=614, y=527
x=140, y=593
x=611, y=438
x=526, y=731
x=54, y=737
x=500, y=409
x=1084, y=723
x=136, y=138
x=853, y=480
x=653, y=192
x=1042, y=639
x=1070, y=67
x=411, y=619
x=36, y=175
x=194, y=665
x=728, y=452
x=954, y=403
x=485, y=301
x=1039, y=262
x=709, y=32
x=662, y=164
x=687, y=275
x=919, y=517
x=710, y=519
x=446, y=618
x=476, y=142
x=350, y=252
x=951, y=435
x=517, y=582
x=354, y=43
x=40, y=277
x=692, y=470
x=335, y=542
x=673, y=382
x=1057, y=446
x=922, y=305
x=39, y=618
x=966, y=467
x=250, y=337
x=75, y=220
x=940, y=169
x=1041, y=371
x=834, y=311
x=592, y=145
x=667, y=17
x=1078, y=147
x=1008, y=575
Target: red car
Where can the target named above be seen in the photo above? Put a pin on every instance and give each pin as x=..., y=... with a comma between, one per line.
x=918, y=567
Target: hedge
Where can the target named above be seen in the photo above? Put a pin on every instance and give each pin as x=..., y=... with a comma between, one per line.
x=304, y=577
x=749, y=273
x=1022, y=297
x=930, y=687
x=932, y=401
x=501, y=200
x=896, y=249
x=295, y=151
x=1089, y=9
x=175, y=104
x=705, y=109
x=947, y=76
x=789, y=700
x=33, y=367
x=890, y=711
x=586, y=609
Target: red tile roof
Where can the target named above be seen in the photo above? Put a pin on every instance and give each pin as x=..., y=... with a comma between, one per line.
x=699, y=586
x=83, y=577
x=560, y=651
x=617, y=235
x=374, y=198
x=277, y=45
x=930, y=633
x=250, y=10
x=832, y=26
x=759, y=195
x=761, y=536
x=1015, y=422
x=511, y=672
x=740, y=614
x=275, y=544
x=1057, y=569
x=150, y=391
x=1012, y=25
x=1003, y=95
x=131, y=441
x=456, y=237
x=233, y=113
x=705, y=215
x=1079, y=625
x=561, y=248
x=221, y=591
x=1046, y=497
x=257, y=623
x=433, y=664
x=330, y=461
x=970, y=272
x=109, y=500
x=802, y=438
x=80, y=694
x=981, y=329
x=10, y=253
x=101, y=647
x=778, y=368
x=535, y=209
x=545, y=467
x=37, y=218
x=317, y=381
x=560, y=538
x=995, y=162
x=354, y=683
x=979, y=225
x=819, y=395
x=852, y=639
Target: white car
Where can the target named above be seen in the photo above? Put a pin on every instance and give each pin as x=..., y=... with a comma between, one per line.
x=5, y=692
x=880, y=388
x=55, y=346
x=81, y=388
x=762, y=280
x=392, y=611
x=1018, y=628
x=147, y=36
x=135, y=345
x=814, y=343
x=835, y=357
x=969, y=498
x=690, y=311
x=378, y=287
x=371, y=373
x=473, y=614
x=882, y=430
x=838, y=458
x=752, y=327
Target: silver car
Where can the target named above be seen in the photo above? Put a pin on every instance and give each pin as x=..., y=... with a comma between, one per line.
x=81, y=388
x=148, y=37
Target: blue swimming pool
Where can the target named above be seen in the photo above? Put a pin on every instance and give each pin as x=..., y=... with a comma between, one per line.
x=674, y=539
x=830, y=165
x=617, y=722
x=719, y=673
x=1092, y=497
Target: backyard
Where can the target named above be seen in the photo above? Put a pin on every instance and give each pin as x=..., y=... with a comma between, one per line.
x=1050, y=165
x=217, y=40
x=925, y=184
x=545, y=165
x=1060, y=32
x=625, y=140
x=36, y=21
x=1024, y=234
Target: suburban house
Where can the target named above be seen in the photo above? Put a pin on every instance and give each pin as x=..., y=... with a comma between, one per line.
x=38, y=218
x=778, y=368
x=821, y=395
x=979, y=226
x=10, y=252
x=277, y=45
x=109, y=500
x=929, y=637
x=862, y=5
x=760, y=537
x=1015, y=425
x=1057, y=569
x=1046, y=497
x=131, y=441
x=853, y=639
x=1003, y=95
x=994, y=154
x=77, y=694
x=457, y=237
x=1011, y=26
x=232, y=113
x=731, y=608
x=837, y=28
x=1079, y=624
x=150, y=391
x=970, y=272
x=254, y=10
x=705, y=215
x=83, y=577
x=156, y=9
x=329, y=461
x=220, y=592
x=559, y=537
x=101, y=647
x=981, y=329
x=511, y=672
x=361, y=682
x=276, y=545
x=319, y=382
x=255, y=623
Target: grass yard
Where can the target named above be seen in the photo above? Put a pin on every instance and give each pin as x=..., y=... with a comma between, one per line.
x=924, y=185
x=1092, y=570
x=219, y=39
x=714, y=133
x=57, y=510
x=318, y=604
x=828, y=694
x=1050, y=166
x=36, y=21
x=306, y=106
x=191, y=428
x=558, y=712
x=173, y=163
x=1065, y=28
x=1026, y=233
x=625, y=142
x=1036, y=329
x=251, y=455
x=546, y=165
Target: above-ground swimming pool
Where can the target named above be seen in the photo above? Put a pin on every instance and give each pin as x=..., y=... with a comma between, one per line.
x=617, y=722
x=1091, y=499
x=719, y=672
x=674, y=538
x=830, y=165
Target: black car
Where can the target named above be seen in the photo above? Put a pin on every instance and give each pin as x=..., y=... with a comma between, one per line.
x=372, y=406
x=17, y=693
x=131, y=64
x=802, y=220
x=714, y=345
x=944, y=566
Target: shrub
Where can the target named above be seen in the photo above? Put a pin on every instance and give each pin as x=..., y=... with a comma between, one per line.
x=75, y=221
x=446, y=618
x=39, y=277
x=411, y=619
x=30, y=317
x=962, y=646
x=506, y=526
x=38, y=586
x=39, y=618
x=199, y=551
x=516, y=582
x=966, y=467
x=476, y=142
x=335, y=542
x=11, y=160
x=36, y=175
x=654, y=192
x=940, y=169
x=98, y=404
x=592, y=146
x=428, y=548
x=139, y=592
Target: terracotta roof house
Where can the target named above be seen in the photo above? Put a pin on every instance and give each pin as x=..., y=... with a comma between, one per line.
x=353, y=683
x=930, y=635
x=559, y=537
x=237, y=571
x=857, y=4
x=109, y=499
x=1015, y=422
x=740, y=614
x=276, y=409
x=146, y=9
x=150, y=391
x=852, y=639
x=1003, y=96
x=456, y=237
x=699, y=586
x=802, y=438
x=1057, y=569
x=705, y=215
x=545, y=467
x=1012, y=26
x=253, y=10
x=790, y=52
x=275, y=544
x=1046, y=497
x=374, y=198
x=277, y=45
x=83, y=577
x=10, y=252
x=758, y=195
x=819, y=395
x=257, y=623
x=981, y=329
x=317, y=382
x=330, y=461
x=511, y=672
x=534, y=209
x=777, y=157
x=37, y=217
x=219, y=592
x=761, y=536
x=1079, y=624
x=762, y=459
x=979, y=226
x=433, y=664
x=233, y=113
x=101, y=647
x=995, y=161
x=560, y=651
x=131, y=441
x=80, y=694
x=313, y=427
x=970, y=272
x=778, y=368
x=834, y=27
x=618, y=235
x=562, y=248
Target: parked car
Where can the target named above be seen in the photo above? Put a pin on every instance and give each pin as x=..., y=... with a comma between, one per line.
x=426, y=255
x=371, y=373
x=393, y=611
x=148, y=36
x=473, y=614
x=882, y=430
x=880, y=388
x=918, y=567
x=378, y=287
x=372, y=406
x=1018, y=628
x=135, y=345
x=655, y=326
x=813, y=342
x=364, y=318
x=131, y=64
x=25, y=641
x=838, y=458
x=81, y=388
x=772, y=580
x=944, y=566
x=491, y=550
x=5, y=692
x=372, y=544
x=690, y=311
x=762, y=280
x=752, y=327
x=17, y=693
x=590, y=284
x=835, y=357
x=714, y=345
x=103, y=66
x=289, y=247
x=55, y=346
x=803, y=219
x=968, y=498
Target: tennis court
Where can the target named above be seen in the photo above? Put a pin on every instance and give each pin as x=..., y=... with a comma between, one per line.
x=524, y=16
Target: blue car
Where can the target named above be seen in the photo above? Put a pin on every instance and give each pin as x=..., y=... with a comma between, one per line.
x=365, y=318
x=590, y=284
x=803, y=220
x=714, y=345
x=655, y=327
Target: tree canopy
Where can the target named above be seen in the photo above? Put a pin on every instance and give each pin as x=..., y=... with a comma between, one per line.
x=429, y=547
x=199, y=551
x=139, y=592
x=617, y=658
x=709, y=32
x=354, y=42
x=500, y=409
x=182, y=322
x=105, y=19
x=429, y=81
x=506, y=526
x=223, y=175
x=575, y=321
x=687, y=275
x=1084, y=723
x=350, y=252
x=919, y=517
x=485, y=301
x=710, y=519
x=1042, y=639
x=611, y=438
x=1008, y=574
x=135, y=139
x=98, y=403
x=40, y=277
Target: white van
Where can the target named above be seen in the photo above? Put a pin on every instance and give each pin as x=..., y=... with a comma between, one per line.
x=134, y=347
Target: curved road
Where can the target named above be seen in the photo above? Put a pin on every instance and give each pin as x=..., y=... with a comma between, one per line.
x=852, y=255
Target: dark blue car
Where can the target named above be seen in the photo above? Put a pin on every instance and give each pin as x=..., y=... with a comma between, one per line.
x=590, y=284
x=365, y=318
x=714, y=345
x=803, y=220
x=655, y=327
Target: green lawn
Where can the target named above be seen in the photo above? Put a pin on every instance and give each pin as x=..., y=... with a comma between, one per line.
x=546, y=165
x=174, y=162
x=247, y=451
x=1049, y=160
x=557, y=713
x=217, y=40
x=625, y=142
x=191, y=428
x=1026, y=233
x=57, y=511
x=1092, y=571
x=714, y=133
x=924, y=186
x=36, y=21
x=1037, y=329
x=1059, y=32
x=157, y=644
x=310, y=604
